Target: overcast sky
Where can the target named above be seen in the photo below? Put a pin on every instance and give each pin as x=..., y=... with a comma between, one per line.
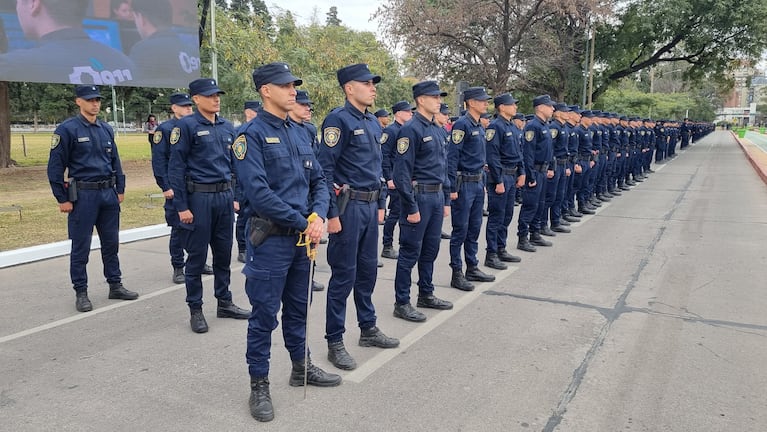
x=353, y=13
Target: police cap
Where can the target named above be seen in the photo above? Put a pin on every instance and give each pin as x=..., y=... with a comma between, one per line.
x=252, y=105
x=381, y=113
x=180, y=99
x=624, y=118
x=274, y=73
x=561, y=107
x=302, y=97
x=87, y=92
x=543, y=100
x=476, y=93
x=529, y=117
x=587, y=113
x=427, y=88
x=575, y=108
x=504, y=99
x=485, y=115
x=401, y=106
x=356, y=72
x=204, y=87
x=518, y=116
x=444, y=109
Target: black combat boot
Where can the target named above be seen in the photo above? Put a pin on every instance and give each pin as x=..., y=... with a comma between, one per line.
x=339, y=357
x=477, y=275
x=197, y=321
x=548, y=232
x=314, y=376
x=459, y=281
x=82, y=302
x=493, y=261
x=227, y=309
x=507, y=257
x=389, y=252
x=178, y=275
x=374, y=337
x=118, y=291
x=536, y=239
x=260, y=401
x=524, y=244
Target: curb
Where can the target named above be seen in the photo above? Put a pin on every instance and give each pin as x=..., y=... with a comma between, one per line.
x=53, y=250
x=759, y=167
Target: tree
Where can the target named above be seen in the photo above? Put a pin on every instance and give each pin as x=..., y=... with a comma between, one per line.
x=480, y=40
x=332, y=17
x=709, y=35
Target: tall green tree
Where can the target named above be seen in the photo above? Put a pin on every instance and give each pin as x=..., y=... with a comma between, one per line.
x=332, y=17
x=709, y=35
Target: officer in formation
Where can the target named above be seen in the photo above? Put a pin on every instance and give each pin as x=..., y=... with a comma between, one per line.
x=466, y=162
x=85, y=147
x=505, y=175
x=420, y=178
x=537, y=154
x=556, y=185
x=350, y=156
x=403, y=112
x=181, y=106
x=383, y=117
x=250, y=111
x=442, y=118
x=201, y=176
x=301, y=115
x=287, y=197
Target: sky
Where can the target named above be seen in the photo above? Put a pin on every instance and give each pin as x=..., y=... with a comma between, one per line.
x=353, y=13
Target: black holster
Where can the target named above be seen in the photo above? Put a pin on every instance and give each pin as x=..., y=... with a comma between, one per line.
x=342, y=198
x=72, y=190
x=260, y=230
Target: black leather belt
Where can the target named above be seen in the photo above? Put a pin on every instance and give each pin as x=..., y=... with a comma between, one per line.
x=510, y=171
x=208, y=187
x=470, y=177
x=562, y=161
x=367, y=196
x=541, y=167
x=103, y=184
x=283, y=231
x=426, y=188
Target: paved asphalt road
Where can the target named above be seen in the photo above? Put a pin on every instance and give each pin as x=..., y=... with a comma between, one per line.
x=650, y=316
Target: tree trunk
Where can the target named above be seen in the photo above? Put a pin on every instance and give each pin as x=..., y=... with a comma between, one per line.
x=5, y=126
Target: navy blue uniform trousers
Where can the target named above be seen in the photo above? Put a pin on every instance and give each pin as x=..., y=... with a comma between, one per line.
x=466, y=217
x=500, y=209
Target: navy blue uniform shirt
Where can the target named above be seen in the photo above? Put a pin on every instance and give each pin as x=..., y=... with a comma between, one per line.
x=281, y=178
x=88, y=150
x=388, y=151
x=560, y=136
x=420, y=157
x=201, y=152
x=467, y=151
x=584, y=142
x=503, y=150
x=538, y=137
x=161, y=153
x=350, y=153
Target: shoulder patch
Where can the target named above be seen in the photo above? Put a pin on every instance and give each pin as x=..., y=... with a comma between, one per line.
x=175, y=134
x=240, y=147
x=554, y=133
x=529, y=135
x=489, y=134
x=55, y=140
x=457, y=136
x=330, y=136
x=384, y=137
x=403, y=144
x=157, y=137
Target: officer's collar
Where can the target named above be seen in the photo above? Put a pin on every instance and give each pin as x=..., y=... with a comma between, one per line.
x=421, y=118
x=86, y=122
x=354, y=111
x=202, y=119
x=273, y=120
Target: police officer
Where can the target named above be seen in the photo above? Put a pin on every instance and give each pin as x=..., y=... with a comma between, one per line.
x=200, y=171
x=504, y=175
x=181, y=106
x=465, y=162
x=403, y=112
x=537, y=154
x=284, y=187
x=85, y=147
x=64, y=53
x=557, y=184
x=443, y=121
x=301, y=115
x=162, y=57
x=350, y=156
x=383, y=117
x=250, y=111
x=420, y=178
x=584, y=162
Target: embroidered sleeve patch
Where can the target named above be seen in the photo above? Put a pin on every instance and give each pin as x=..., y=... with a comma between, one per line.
x=240, y=147
x=489, y=134
x=529, y=135
x=457, y=136
x=384, y=137
x=554, y=133
x=55, y=140
x=403, y=144
x=175, y=134
x=330, y=136
x=157, y=137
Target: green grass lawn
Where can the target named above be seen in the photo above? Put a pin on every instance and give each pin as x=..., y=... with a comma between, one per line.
x=132, y=146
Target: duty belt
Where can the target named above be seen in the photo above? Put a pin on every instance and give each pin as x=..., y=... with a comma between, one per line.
x=208, y=187
x=562, y=161
x=103, y=184
x=283, y=231
x=466, y=177
x=541, y=167
x=367, y=196
x=510, y=171
x=426, y=188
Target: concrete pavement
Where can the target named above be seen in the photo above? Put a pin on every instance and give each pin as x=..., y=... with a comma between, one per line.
x=649, y=316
